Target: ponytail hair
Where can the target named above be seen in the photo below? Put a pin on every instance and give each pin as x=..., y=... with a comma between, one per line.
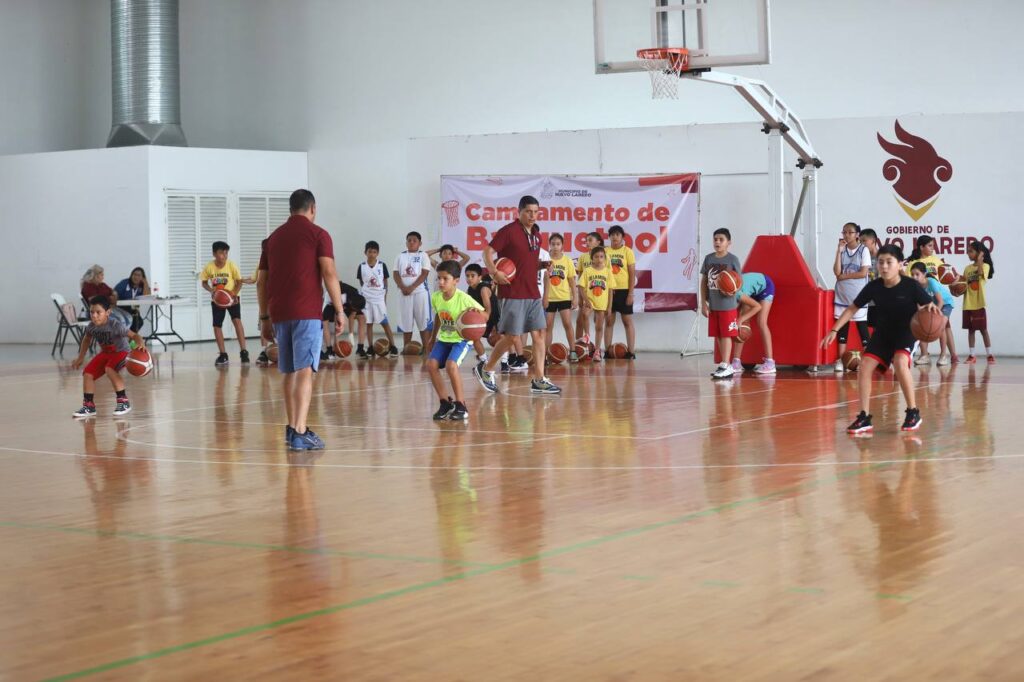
x=922, y=241
x=986, y=255
x=922, y=268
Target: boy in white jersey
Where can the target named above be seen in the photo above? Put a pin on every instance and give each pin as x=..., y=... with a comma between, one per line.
x=373, y=277
x=412, y=267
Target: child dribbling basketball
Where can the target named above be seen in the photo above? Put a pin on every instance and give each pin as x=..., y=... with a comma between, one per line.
x=480, y=291
x=448, y=347
x=112, y=336
x=941, y=296
x=897, y=299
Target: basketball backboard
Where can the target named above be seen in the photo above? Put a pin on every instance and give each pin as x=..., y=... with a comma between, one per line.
x=717, y=33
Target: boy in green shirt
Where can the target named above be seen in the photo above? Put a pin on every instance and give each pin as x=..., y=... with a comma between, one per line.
x=448, y=348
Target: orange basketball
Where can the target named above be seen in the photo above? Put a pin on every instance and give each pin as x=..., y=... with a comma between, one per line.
x=729, y=282
x=958, y=288
x=139, y=362
x=582, y=352
x=558, y=353
x=412, y=348
x=381, y=347
x=619, y=350
x=272, y=353
x=343, y=348
x=744, y=333
x=528, y=355
x=471, y=324
x=222, y=298
x=851, y=360
x=947, y=274
x=928, y=325
x=506, y=266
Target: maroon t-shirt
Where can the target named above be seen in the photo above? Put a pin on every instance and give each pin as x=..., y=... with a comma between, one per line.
x=290, y=257
x=89, y=290
x=513, y=243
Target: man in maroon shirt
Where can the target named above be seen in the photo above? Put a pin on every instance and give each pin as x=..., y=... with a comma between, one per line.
x=296, y=263
x=521, y=309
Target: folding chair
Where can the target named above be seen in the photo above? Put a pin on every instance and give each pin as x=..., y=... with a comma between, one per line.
x=67, y=323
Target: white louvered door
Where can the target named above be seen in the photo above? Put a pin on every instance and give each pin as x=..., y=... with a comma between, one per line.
x=197, y=219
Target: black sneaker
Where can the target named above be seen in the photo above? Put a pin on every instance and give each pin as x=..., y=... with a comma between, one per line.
x=485, y=378
x=262, y=360
x=393, y=352
x=459, y=414
x=86, y=410
x=324, y=356
x=447, y=407
x=222, y=360
x=629, y=356
x=912, y=422
x=361, y=352
x=123, y=407
x=288, y=433
x=244, y=355
x=861, y=424
x=505, y=368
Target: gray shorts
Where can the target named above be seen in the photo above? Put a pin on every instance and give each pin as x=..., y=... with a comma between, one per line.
x=521, y=315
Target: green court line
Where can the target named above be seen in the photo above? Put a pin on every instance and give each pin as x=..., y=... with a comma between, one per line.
x=638, y=577
x=899, y=597
x=383, y=596
x=98, y=532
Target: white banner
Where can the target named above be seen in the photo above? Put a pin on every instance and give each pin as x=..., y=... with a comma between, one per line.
x=658, y=213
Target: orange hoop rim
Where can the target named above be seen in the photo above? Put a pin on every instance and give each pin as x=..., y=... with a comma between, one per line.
x=677, y=57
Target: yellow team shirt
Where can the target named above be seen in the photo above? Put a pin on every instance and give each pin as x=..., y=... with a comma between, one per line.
x=559, y=274
x=596, y=284
x=974, y=297
x=619, y=261
x=932, y=262
x=228, y=276
x=583, y=262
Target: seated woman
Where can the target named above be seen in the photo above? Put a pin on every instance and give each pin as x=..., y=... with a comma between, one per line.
x=93, y=285
x=135, y=285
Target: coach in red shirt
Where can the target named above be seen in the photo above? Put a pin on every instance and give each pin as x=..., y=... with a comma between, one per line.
x=296, y=263
x=521, y=309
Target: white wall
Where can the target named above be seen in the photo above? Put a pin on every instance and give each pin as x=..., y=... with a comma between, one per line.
x=60, y=213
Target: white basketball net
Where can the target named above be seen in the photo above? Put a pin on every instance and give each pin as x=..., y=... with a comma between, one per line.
x=664, y=68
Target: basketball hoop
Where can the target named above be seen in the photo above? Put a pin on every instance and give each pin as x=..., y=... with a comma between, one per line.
x=451, y=212
x=665, y=65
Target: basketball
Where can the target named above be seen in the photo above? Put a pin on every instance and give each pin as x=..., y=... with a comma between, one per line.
x=582, y=352
x=343, y=348
x=744, y=333
x=139, y=362
x=619, y=351
x=222, y=298
x=958, y=288
x=381, y=347
x=947, y=274
x=272, y=353
x=928, y=325
x=851, y=360
x=558, y=353
x=729, y=282
x=506, y=266
x=471, y=324
x=493, y=338
x=412, y=348
x=528, y=355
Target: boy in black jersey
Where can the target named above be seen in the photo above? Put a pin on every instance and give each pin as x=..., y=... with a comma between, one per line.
x=481, y=292
x=896, y=299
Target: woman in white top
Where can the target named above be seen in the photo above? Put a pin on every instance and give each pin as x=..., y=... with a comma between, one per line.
x=851, y=268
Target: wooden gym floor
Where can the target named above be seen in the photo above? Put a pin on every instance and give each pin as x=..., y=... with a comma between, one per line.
x=647, y=525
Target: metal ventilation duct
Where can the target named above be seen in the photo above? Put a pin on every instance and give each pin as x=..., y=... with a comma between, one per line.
x=146, y=80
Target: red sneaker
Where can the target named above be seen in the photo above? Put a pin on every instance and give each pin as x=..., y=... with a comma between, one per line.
x=991, y=359
x=970, y=360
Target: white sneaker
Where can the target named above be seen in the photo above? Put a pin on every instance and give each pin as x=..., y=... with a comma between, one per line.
x=737, y=366
x=838, y=367
x=724, y=371
x=767, y=366
x=923, y=359
x=943, y=360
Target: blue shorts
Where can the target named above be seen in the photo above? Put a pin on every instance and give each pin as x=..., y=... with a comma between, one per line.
x=947, y=309
x=298, y=345
x=449, y=351
x=769, y=291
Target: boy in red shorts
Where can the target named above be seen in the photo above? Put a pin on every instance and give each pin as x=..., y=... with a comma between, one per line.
x=112, y=336
x=721, y=310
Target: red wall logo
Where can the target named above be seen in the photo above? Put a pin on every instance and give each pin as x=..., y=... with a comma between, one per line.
x=917, y=172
